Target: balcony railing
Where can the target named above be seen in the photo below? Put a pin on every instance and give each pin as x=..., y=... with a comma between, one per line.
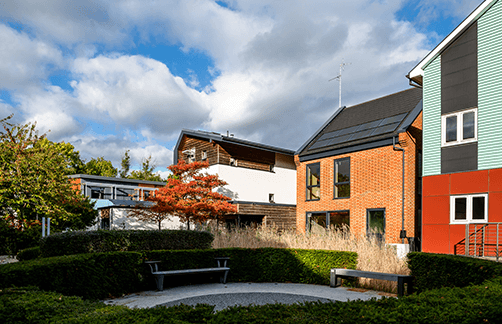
x=481, y=240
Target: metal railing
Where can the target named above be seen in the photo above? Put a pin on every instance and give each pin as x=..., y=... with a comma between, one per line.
x=481, y=240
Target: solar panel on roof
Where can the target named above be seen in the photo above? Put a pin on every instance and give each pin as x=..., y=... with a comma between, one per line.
x=393, y=119
x=348, y=130
x=369, y=125
x=339, y=139
x=329, y=135
x=385, y=129
x=318, y=144
x=362, y=134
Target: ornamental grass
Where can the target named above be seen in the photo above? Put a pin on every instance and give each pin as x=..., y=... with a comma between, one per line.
x=372, y=255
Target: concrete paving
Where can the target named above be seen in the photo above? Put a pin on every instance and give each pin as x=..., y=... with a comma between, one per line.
x=232, y=294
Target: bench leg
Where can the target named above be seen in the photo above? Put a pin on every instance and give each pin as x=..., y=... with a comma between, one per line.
x=223, y=279
x=334, y=280
x=410, y=287
x=159, y=280
x=400, y=287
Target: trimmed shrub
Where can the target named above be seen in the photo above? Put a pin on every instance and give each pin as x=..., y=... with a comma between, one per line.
x=123, y=240
x=29, y=253
x=262, y=265
x=12, y=241
x=91, y=276
x=434, y=271
x=100, y=275
x=474, y=304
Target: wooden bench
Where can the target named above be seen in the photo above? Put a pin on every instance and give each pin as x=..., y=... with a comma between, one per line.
x=337, y=275
x=159, y=275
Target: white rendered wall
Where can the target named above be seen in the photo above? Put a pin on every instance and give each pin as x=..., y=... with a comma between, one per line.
x=255, y=185
x=119, y=220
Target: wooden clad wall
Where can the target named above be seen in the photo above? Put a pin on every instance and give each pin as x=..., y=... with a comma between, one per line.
x=282, y=216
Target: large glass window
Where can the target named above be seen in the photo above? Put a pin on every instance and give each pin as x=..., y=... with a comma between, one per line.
x=375, y=224
x=327, y=220
x=459, y=127
x=469, y=208
x=314, y=181
x=342, y=178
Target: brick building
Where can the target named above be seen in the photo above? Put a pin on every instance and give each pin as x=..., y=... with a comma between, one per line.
x=261, y=178
x=351, y=170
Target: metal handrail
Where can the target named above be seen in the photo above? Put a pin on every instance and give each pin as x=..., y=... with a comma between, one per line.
x=483, y=238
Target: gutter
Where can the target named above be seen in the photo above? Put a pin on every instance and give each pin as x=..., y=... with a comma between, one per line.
x=402, y=235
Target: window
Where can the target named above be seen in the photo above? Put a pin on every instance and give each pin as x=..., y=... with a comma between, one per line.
x=469, y=209
x=271, y=198
x=314, y=181
x=271, y=168
x=342, y=178
x=204, y=155
x=375, y=224
x=324, y=220
x=459, y=127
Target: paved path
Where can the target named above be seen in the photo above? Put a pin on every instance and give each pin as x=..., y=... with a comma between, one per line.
x=231, y=294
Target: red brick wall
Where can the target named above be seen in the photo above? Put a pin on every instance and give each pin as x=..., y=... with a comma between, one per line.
x=376, y=182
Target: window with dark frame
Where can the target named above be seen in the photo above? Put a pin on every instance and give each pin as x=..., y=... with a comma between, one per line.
x=314, y=181
x=342, y=178
x=375, y=224
x=328, y=220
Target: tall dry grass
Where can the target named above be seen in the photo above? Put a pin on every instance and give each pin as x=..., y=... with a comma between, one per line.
x=372, y=256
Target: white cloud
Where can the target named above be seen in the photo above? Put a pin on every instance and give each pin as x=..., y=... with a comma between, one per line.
x=137, y=92
x=24, y=61
x=54, y=111
x=272, y=63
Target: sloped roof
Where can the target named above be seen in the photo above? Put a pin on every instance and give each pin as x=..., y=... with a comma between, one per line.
x=217, y=137
x=417, y=72
x=368, y=122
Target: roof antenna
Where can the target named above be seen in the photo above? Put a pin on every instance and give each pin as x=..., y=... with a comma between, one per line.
x=339, y=78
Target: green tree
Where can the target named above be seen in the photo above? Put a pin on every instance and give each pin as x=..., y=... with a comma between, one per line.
x=33, y=182
x=146, y=172
x=73, y=163
x=125, y=165
x=100, y=167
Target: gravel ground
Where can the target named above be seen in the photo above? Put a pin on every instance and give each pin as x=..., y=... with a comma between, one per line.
x=7, y=259
x=223, y=301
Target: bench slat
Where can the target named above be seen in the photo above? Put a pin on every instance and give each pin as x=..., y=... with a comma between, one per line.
x=338, y=274
x=159, y=275
x=188, y=271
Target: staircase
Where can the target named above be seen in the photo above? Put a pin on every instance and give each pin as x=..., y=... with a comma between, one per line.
x=481, y=240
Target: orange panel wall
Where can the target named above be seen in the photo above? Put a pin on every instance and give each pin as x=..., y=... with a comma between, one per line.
x=436, y=205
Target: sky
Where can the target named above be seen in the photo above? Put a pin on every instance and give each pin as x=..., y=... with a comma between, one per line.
x=109, y=76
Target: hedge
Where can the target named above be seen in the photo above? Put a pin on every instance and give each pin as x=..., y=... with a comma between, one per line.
x=264, y=264
x=434, y=271
x=473, y=304
x=78, y=242
x=101, y=275
x=28, y=254
x=96, y=275
x=13, y=240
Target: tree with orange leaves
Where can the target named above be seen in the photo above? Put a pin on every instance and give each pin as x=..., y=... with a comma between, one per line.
x=189, y=194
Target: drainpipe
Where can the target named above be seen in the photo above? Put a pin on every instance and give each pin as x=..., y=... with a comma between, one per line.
x=402, y=235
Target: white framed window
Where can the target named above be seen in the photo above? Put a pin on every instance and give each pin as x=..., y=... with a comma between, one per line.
x=459, y=127
x=469, y=209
